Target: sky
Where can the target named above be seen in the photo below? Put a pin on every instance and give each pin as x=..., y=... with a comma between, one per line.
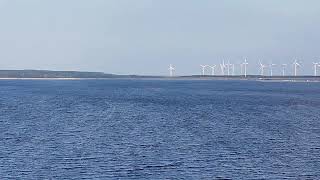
x=145, y=36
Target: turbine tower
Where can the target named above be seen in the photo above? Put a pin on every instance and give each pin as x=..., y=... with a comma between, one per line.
x=232, y=65
x=228, y=67
x=262, y=66
x=203, y=69
x=212, y=69
x=271, y=68
x=171, y=69
x=245, y=67
x=315, y=66
x=284, y=69
x=296, y=65
x=222, y=67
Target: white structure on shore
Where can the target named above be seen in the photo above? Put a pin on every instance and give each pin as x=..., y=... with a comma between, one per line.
x=228, y=68
x=284, y=66
x=245, y=67
x=262, y=66
x=233, y=69
x=295, y=65
x=203, y=69
x=315, y=66
x=171, y=69
x=222, y=67
x=271, y=68
x=212, y=69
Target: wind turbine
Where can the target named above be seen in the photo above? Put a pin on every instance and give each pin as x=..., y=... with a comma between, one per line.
x=222, y=67
x=245, y=67
x=203, y=69
x=228, y=67
x=315, y=66
x=232, y=69
x=171, y=69
x=212, y=69
x=271, y=68
x=262, y=66
x=284, y=69
x=296, y=65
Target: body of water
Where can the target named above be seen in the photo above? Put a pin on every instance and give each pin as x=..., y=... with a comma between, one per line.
x=159, y=129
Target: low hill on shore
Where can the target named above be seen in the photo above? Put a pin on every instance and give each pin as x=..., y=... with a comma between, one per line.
x=20, y=74
x=51, y=74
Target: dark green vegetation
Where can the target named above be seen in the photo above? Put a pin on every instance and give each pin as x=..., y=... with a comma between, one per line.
x=52, y=74
x=63, y=74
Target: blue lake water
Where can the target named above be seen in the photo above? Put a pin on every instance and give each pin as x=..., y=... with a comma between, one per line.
x=157, y=129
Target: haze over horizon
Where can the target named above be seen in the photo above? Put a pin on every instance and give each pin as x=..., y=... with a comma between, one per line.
x=145, y=36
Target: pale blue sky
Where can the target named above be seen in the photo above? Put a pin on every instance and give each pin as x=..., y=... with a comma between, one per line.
x=145, y=36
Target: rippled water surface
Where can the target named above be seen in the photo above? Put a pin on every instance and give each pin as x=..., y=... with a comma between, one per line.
x=157, y=129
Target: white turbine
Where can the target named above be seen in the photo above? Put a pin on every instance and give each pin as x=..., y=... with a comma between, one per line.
x=315, y=66
x=171, y=69
x=203, y=69
x=222, y=67
x=284, y=69
x=296, y=65
x=232, y=69
x=271, y=68
x=228, y=67
x=262, y=66
x=245, y=67
x=212, y=69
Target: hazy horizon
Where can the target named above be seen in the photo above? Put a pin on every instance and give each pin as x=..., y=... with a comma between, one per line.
x=143, y=37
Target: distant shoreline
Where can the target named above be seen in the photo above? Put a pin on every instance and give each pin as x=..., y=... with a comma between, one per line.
x=80, y=75
x=315, y=80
